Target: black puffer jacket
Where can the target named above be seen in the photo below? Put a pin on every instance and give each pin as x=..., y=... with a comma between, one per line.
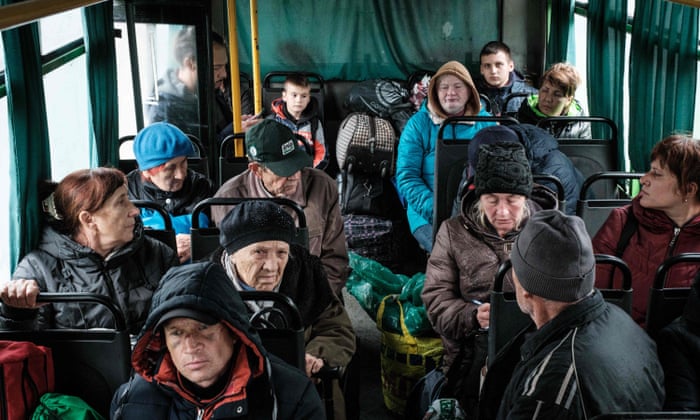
x=589, y=360
x=196, y=188
x=679, y=351
x=129, y=276
x=263, y=388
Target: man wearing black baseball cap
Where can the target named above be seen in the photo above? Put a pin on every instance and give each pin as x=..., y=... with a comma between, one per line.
x=278, y=166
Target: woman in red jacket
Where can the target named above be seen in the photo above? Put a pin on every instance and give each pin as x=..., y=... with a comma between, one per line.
x=665, y=217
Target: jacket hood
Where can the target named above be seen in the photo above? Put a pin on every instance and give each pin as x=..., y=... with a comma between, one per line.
x=203, y=287
x=457, y=69
x=538, y=142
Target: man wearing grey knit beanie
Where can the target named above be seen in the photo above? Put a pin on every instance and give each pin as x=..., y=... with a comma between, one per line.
x=584, y=357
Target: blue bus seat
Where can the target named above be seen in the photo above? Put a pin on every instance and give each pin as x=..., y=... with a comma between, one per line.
x=165, y=235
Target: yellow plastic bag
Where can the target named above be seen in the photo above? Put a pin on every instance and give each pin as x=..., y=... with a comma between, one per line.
x=404, y=358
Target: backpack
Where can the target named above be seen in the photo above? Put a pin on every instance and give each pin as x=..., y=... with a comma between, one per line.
x=382, y=98
x=64, y=407
x=26, y=373
x=366, y=144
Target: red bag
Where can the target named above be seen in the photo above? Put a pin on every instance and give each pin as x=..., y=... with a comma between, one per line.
x=26, y=373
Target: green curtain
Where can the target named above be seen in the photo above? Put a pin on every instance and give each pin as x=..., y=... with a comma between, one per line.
x=98, y=26
x=560, y=37
x=663, y=73
x=607, y=20
x=29, y=138
x=397, y=37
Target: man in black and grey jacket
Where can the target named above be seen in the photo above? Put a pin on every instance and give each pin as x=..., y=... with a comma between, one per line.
x=584, y=357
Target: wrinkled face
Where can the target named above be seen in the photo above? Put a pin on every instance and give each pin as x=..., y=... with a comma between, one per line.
x=261, y=265
x=199, y=351
x=170, y=176
x=278, y=186
x=220, y=60
x=496, y=69
x=115, y=221
x=297, y=98
x=660, y=189
x=453, y=94
x=503, y=211
x=553, y=100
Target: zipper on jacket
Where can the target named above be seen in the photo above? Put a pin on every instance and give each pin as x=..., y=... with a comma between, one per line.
x=672, y=244
x=200, y=414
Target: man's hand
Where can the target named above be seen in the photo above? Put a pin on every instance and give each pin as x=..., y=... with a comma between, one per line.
x=184, y=251
x=249, y=120
x=20, y=293
x=313, y=364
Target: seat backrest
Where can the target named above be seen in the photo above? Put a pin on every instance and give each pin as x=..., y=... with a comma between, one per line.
x=649, y=415
x=165, y=235
x=593, y=155
x=506, y=319
x=620, y=297
x=88, y=363
x=555, y=184
x=273, y=84
x=204, y=241
x=127, y=161
x=279, y=325
x=595, y=211
x=666, y=304
x=450, y=161
x=232, y=157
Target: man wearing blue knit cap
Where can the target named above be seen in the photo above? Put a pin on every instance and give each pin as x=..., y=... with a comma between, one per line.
x=584, y=357
x=161, y=151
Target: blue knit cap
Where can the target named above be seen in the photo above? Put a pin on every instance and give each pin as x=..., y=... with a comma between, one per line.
x=159, y=143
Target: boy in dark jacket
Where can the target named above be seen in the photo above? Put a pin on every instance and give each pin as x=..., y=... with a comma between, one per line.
x=198, y=357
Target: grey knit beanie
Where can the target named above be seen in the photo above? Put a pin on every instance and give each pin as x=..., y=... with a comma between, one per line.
x=503, y=168
x=255, y=221
x=553, y=257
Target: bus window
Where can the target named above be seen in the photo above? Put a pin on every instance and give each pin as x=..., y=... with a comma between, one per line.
x=67, y=111
x=60, y=29
x=168, y=70
x=4, y=180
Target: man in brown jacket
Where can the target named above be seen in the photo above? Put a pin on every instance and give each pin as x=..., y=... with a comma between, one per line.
x=278, y=167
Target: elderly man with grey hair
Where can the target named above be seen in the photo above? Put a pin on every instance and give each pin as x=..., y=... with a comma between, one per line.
x=583, y=357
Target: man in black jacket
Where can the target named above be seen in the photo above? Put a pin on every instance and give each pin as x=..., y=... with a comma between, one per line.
x=198, y=357
x=585, y=357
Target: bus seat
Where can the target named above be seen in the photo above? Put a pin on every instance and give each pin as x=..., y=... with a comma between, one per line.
x=648, y=415
x=450, y=161
x=666, y=304
x=88, y=363
x=595, y=211
x=550, y=181
x=204, y=241
x=165, y=235
x=231, y=165
x=506, y=320
x=590, y=156
x=273, y=84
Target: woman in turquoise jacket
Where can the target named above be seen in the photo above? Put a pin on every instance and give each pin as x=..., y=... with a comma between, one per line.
x=451, y=93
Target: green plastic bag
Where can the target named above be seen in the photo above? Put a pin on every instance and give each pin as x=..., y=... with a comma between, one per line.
x=65, y=407
x=370, y=281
